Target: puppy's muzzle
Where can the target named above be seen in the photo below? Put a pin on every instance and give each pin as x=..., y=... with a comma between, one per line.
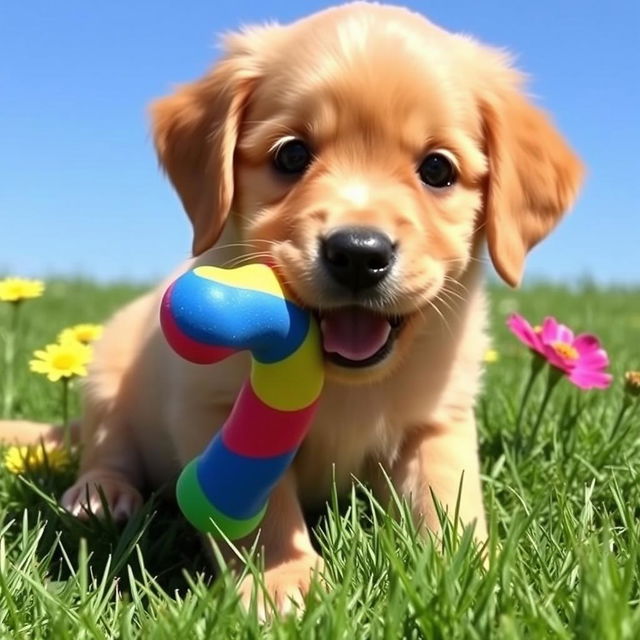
x=358, y=261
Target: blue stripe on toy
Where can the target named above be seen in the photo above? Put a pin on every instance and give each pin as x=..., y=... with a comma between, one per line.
x=236, y=485
x=207, y=311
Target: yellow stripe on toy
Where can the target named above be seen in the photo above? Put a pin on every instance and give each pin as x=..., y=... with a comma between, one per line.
x=254, y=277
x=292, y=383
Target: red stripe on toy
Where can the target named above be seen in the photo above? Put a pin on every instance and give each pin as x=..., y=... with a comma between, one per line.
x=256, y=430
x=183, y=345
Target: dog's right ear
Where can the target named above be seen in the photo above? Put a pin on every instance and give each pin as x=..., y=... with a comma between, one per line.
x=195, y=131
x=533, y=179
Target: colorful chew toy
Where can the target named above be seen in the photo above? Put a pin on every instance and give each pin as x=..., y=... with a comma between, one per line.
x=208, y=314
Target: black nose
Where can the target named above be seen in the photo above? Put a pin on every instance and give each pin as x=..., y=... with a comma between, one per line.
x=358, y=257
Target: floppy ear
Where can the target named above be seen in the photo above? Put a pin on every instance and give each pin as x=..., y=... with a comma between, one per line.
x=195, y=132
x=533, y=179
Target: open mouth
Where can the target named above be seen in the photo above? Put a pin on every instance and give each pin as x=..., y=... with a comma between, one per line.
x=356, y=337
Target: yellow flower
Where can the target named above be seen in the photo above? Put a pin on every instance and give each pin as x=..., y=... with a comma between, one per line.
x=62, y=360
x=491, y=355
x=632, y=383
x=20, y=459
x=17, y=289
x=84, y=333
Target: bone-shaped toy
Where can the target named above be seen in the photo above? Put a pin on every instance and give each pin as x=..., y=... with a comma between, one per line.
x=208, y=314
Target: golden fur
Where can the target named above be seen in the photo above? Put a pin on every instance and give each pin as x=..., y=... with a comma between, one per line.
x=373, y=88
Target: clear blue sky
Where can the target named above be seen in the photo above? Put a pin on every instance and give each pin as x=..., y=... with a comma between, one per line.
x=80, y=192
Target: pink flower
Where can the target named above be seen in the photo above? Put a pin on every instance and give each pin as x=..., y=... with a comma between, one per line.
x=581, y=358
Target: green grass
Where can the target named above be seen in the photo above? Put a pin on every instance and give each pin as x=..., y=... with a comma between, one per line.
x=563, y=551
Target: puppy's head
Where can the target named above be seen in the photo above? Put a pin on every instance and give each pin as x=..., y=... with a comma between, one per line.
x=367, y=153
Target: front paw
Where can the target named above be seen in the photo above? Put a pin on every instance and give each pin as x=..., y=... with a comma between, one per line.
x=119, y=496
x=281, y=589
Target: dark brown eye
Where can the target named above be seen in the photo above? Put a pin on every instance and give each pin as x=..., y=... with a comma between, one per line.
x=436, y=170
x=292, y=157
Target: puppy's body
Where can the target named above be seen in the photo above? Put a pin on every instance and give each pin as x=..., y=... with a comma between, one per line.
x=170, y=408
x=382, y=102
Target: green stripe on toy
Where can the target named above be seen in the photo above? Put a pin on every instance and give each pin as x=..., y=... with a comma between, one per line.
x=202, y=514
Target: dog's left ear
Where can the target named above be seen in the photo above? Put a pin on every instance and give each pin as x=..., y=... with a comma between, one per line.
x=533, y=179
x=195, y=132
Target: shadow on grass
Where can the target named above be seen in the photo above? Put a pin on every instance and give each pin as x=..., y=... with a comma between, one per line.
x=156, y=539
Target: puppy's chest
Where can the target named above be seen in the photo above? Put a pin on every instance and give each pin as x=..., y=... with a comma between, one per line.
x=350, y=432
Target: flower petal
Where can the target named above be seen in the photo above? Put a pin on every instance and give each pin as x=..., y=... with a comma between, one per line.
x=565, y=334
x=595, y=360
x=553, y=331
x=549, y=330
x=586, y=343
x=38, y=366
x=586, y=378
x=524, y=332
x=591, y=354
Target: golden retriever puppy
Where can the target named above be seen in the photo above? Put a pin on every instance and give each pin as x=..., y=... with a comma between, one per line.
x=370, y=155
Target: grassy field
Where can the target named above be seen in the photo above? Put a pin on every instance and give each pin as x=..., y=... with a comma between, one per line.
x=564, y=550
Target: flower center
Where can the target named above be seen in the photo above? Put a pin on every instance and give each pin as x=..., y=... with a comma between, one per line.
x=63, y=361
x=565, y=350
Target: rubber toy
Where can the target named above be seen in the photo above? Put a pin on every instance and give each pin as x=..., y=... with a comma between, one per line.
x=208, y=314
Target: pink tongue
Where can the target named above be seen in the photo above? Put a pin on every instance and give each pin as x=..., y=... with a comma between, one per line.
x=354, y=334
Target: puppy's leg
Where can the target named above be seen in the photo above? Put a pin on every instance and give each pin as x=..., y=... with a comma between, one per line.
x=287, y=552
x=436, y=459
x=110, y=466
x=110, y=462
x=27, y=432
x=283, y=544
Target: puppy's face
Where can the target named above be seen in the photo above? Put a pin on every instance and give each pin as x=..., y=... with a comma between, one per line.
x=361, y=175
x=363, y=149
